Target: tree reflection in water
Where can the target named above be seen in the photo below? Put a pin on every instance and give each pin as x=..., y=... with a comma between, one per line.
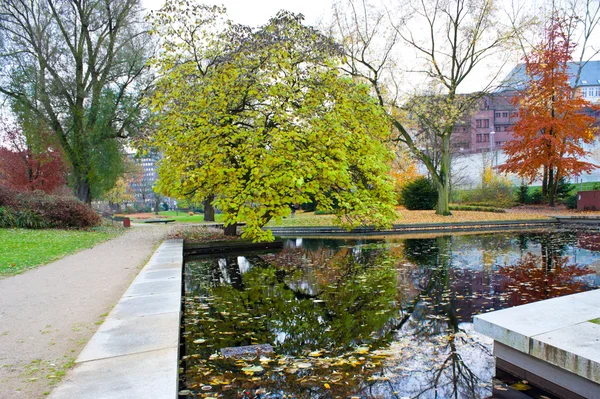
x=363, y=319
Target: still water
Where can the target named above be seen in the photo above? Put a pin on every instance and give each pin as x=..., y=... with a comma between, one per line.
x=364, y=318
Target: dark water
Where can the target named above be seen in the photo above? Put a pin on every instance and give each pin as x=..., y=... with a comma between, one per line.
x=368, y=318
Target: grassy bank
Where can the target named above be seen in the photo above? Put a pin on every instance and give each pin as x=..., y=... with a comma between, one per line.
x=410, y=217
x=23, y=249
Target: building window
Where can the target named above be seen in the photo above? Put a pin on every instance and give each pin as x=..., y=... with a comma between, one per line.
x=497, y=114
x=486, y=138
x=505, y=114
x=482, y=123
x=478, y=137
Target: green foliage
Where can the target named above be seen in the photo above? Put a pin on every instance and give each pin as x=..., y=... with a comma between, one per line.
x=419, y=194
x=571, y=201
x=563, y=188
x=476, y=208
x=523, y=194
x=29, y=219
x=268, y=123
x=494, y=191
x=7, y=217
x=536, y=197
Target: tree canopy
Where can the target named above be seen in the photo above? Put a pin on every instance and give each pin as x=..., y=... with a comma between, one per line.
x=553, y=126
x=261, y=119
x=79, y=68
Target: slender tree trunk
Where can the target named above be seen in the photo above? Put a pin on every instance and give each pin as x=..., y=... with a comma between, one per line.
x=443, y=181
x=551, y=187
x=545, y=182
x=209, y=209
x=230, y=230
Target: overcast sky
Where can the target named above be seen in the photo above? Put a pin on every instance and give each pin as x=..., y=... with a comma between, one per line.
x=257, y=12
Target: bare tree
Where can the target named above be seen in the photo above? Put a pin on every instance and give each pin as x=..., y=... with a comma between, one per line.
x=78, y=65
x=452, y=37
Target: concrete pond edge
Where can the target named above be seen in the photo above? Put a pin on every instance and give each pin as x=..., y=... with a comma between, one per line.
x=135, y=352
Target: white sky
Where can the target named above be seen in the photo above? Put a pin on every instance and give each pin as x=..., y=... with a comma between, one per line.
x=258, y=12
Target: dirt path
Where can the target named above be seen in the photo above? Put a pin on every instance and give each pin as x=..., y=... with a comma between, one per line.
x=49, y=313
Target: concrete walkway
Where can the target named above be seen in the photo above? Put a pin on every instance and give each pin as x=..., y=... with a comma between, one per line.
x=48, y=314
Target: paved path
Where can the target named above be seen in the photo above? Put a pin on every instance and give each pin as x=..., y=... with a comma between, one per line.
x=49, y=313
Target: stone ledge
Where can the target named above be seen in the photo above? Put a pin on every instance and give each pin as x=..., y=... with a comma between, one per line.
x=556, y=331
x=134, y=354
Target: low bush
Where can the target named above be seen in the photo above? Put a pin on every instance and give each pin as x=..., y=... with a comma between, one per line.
x=419, y=194
x=476, y=208
x=7, y=218
x=36, y=209
x=571, y=202
x=523, y=194
x=29, y=219
x=324, y=212
x=536, y=197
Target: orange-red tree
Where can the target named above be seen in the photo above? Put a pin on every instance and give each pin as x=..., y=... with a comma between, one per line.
x=25, y=168
x=553, y=127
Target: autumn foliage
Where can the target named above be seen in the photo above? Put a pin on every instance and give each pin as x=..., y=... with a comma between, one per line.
x=24, y=169
x=548, y=137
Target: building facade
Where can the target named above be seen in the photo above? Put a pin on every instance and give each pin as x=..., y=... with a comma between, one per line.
x=491, y=125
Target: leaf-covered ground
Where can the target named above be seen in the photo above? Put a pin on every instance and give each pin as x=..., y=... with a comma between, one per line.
x=23, y=249
x=416, y=217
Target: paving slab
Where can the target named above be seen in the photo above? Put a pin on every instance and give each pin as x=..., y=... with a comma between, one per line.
x=146, y=305
x=154, y=287
x=124, y=337
x=575, y=348
x=134, y=353
x=515, y=326
x=148, y=375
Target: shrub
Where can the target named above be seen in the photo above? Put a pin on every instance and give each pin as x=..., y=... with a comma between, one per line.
x=476, y=208
x=37, y=209
x=7, y=218
x=536, y=197
x=523, y=194
x=571, y=202
x=28, y=219
x=563, y=188
x=419, y=194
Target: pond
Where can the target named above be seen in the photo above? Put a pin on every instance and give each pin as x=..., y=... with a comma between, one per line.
x=368, y=318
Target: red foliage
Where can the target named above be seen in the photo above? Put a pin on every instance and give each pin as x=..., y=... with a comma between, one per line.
x=549, y=135
x=23, y=169
x=56, y=211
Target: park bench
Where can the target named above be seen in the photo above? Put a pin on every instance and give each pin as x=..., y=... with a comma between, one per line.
x=165, y=221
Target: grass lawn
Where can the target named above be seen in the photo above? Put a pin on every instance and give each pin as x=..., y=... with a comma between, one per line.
x=24, y=249
x=587, y=186
x=409, y=217
x=181, y=216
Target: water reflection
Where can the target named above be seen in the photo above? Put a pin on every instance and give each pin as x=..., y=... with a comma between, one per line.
x=372, y=319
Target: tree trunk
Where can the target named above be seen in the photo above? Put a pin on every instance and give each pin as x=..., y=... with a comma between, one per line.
x=545, y=182
x=230, y=230
x=551, y=187
x=209, y=209
x=443, y=182
x=83, y=191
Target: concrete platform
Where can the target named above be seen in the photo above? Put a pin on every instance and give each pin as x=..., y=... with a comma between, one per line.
x=552, y=339
x=134, y=353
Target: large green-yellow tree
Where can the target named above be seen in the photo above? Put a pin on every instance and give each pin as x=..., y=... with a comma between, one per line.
x=261, y=119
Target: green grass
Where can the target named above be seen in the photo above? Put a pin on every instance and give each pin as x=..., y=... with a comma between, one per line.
x=596, y=321
x=576, y=187
x=182, y=217
x=23, y=249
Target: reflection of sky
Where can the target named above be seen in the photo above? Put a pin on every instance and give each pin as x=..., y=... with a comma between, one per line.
x=419, y=347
